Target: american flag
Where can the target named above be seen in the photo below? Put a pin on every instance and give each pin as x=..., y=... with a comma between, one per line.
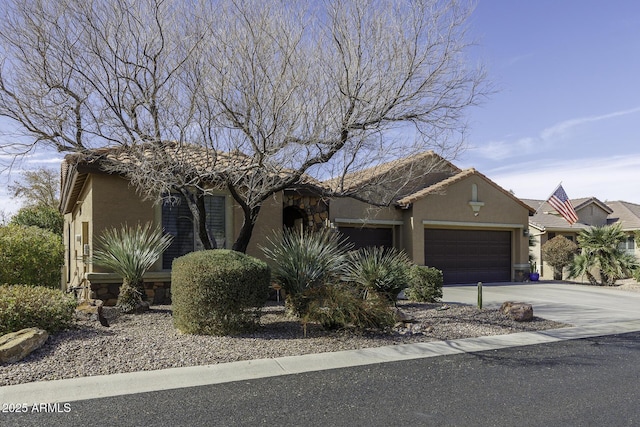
x=562, y=204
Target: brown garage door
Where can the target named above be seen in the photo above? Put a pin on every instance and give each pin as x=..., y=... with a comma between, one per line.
x=469, y=256
x=362, y=237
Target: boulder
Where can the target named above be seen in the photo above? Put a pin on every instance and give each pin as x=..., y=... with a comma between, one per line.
x=18, y=345
x=518, y=311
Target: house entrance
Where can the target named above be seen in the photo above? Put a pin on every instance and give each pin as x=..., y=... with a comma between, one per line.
x=294, y=218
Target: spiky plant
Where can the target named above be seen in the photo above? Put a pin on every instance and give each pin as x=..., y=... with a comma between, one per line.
x=383, y=270
x=305, y=260
x=130, y=252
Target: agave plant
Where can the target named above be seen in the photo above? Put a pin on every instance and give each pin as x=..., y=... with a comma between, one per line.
x=130, y=252
x=600, y=252
x=383, y=270
x=305, y=260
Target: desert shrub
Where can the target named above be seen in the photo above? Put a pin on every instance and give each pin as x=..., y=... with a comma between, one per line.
x=218, y=292
x=425, y=284
x=558, y=253
x=30, y=255
x=130, y=252
x=306, y=260
x=23, y=306
x=382, y=270
x=40, y=216
x=341, y=306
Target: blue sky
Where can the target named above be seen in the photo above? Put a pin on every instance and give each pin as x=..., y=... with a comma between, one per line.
x=567, y=106
x=568, y=102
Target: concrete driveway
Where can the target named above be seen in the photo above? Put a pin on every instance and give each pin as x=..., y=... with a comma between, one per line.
x=577, y=305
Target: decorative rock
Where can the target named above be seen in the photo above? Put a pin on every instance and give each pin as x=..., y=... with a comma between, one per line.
x=518, y=311
x=401, y=316
x=18, y=345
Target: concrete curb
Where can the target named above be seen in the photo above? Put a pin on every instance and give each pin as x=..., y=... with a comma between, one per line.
x=84, y=388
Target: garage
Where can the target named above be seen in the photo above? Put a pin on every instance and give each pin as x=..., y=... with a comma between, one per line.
x=361, y=237
x=469, y=256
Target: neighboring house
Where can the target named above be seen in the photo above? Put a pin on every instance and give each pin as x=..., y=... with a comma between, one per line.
x=456, y=220
x=547, y=223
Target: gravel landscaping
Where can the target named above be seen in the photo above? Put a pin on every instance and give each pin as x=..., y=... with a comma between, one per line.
x=149, y=341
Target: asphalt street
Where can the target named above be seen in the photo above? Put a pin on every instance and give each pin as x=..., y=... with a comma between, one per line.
x=584, y=382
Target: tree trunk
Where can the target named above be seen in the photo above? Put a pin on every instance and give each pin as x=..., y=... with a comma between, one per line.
x=250, y=218
x=207, y=241
x=199, y=215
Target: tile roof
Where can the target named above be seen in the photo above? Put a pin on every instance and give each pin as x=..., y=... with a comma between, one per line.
x=626, y=213
x=427, y=161
x=546, y=217
x=442, y=185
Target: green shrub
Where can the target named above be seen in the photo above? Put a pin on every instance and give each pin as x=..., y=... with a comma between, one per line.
x=558, y=253
x=30, y=255
x=340, y=306
x=306, y=260
x=425, y=284
x=218, y=292
x=24, y=306
x=40, y=216
x=383, y=270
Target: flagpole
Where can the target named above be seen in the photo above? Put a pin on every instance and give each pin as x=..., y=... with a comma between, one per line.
x=548, y=197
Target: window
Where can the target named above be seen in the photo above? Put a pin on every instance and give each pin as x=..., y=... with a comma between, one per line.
x=628, y=245
x=178, y=222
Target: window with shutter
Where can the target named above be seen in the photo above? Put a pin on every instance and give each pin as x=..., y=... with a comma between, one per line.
x=178, y=222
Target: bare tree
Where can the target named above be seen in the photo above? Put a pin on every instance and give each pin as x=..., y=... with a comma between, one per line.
x=38, y=187
x=267, y=93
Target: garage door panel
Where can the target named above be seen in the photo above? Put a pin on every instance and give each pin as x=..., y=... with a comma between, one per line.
x=469, y=256
x=362, y=237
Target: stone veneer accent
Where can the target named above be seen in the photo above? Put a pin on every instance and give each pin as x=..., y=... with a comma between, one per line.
x=316, y=209
x=156, y=291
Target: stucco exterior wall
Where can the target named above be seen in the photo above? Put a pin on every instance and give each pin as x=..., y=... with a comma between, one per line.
x=352, y=209
x=269, y=220
x=451, y=209
x=115, y=204
x=76, y=263
x=592, y=214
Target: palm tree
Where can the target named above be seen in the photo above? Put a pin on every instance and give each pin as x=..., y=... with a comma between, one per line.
x=600, y=252
x=130, y=252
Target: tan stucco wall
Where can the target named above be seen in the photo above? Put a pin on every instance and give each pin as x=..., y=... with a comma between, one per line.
x=451, y=209
x=269, y=220
x=348, y=208
x=75, y=264
x=115, y=204
x=592, y=214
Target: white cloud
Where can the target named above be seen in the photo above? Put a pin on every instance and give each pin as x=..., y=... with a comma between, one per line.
x=607, y=178
x=546, y=139
x=559, y=130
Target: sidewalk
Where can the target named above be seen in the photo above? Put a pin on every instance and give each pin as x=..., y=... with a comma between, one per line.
x=592, y=312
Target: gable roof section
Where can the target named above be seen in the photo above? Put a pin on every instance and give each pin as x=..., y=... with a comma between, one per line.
x=586, y=201
x=625, y=213
x=442, y=185
x=546, y=216
x=427, y=159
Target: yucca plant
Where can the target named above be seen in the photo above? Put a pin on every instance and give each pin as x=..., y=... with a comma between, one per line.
x=130, y=252
x=382, y=270
x=305, y=260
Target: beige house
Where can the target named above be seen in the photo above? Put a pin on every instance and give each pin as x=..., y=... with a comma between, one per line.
x=456, y=220
x=547, y=223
